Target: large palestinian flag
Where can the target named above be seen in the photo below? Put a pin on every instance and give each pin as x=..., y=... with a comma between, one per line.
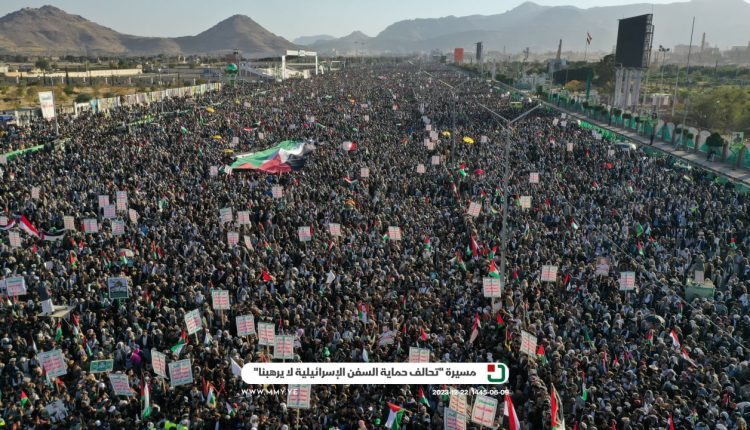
x=286, y=156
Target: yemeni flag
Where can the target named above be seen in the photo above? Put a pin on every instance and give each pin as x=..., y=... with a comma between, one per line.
x=52, y=237
x=558, y=420
x=675, y=339
x=493, y=270
x=58, y=332
x=395, y=414
x=25, y=399
x=146, y=400
x=177, y=349
x=285, y=157
x=26, y=226
x=10, y=225
x=474, y=247
x=422, y=398
x=671, y=422
x=475, y=329
x=510, y=412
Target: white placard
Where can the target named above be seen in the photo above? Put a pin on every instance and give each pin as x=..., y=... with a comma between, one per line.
x=159, y=363
x=484, y=411
x=91, y=225
x=109, y=212
x=458, y=402
x=304, y=233
x=433, y=135
x=277, y=191
x=245, y=325
x=435, y=160
x=428, y=127
x=569, y=146
x=528, y=343
x=474, y=209
x=103, y=200
x=213, y=171
x=235, y=141
x=364, y=172
x=431, y=146
x=15, y=286
x=225, y=215
x=54, y=363
x=35, y=192
x=483, y=139
x=243, y=217
x=610, y=153
x=193, y=321
x=491, y=287
x=525, y=202
x=419, y=355
x=453, y=420
x=367, y=118
x=334, y=229
x=3, y=159
x=3, y=220
x=298, y=396
x=121, y=201
x=233, y=238
x=248, y=242
x=420, y=168
x=283, y=347
x=627, y=281
x=563, y=124
x=394, y=233
x=120, y=384
x=220, y=299
x=14, y=238
x=266, y=333
x=180, y=372
x=534, y=177
x=47, y=104
x=69, y=223
x=549, y=273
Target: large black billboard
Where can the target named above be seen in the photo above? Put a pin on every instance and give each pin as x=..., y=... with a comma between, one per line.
x=634, y=42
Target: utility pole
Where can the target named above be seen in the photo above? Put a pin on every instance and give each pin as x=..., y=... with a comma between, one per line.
x=687, y=94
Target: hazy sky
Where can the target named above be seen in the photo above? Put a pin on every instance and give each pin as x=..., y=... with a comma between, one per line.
x=287, y=18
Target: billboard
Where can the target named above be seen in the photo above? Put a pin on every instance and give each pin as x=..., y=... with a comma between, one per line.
x=634, y=42
x=47, y=103
x=458, y=55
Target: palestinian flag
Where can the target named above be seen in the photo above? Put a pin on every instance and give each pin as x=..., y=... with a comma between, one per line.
x=474, y=247
x=427, y=244
x=540, y=354
x=462, y=170
x=25, y=399
x=395, y=414
x=26, y=226
x=650, y=337
x=573, y=225
x=558, y=420
x=363, y=311
x=422, y=334
x=230, y=410
x=733, y=243
x=422, y=398
x=58, y=332
x=492, y=252
x=350, y=181
x=584, y=392
x=639, y=230
x=510, y=412
x=211, y=398
x=500, y=321
x=285, y=157
x=177, y=349
x=146, y=400
x=475, y=329
x=493, y=270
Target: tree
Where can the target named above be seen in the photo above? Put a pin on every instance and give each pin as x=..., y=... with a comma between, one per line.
x=574, y=86
x=604, y=70
x=83, y=98
x=42, y=64
x=715, y=140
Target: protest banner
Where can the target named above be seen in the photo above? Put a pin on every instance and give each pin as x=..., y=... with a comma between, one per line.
x=14, y=238
x=225, y=215
x=435, y=160
x=334, y=229
x=245, y=325
x=118, y=227
x=101, y=366
x=419, y=355
x=180, y=372
x=15, y=286
x=159, y=363
x=277, y=191
x=602, y=266
x=528, y=343
x=220, y=299
x=54, y=363
x=474, y=209
x=491, y=287
x=69, y=222
x=283, y=347
x=266, y=333
x=453, y=420
x=304, y=233
x=118, y=288
x=121, y=199
x=534, y=177
x=394, y=233
x=109, y=211
x=120, y=384
x=193, y=321
x=298, y=396
x=484, y=411
x=458, y=402
x=233, y=238
x=243, y=217
x=91, y=225
x=103, y=200
x=549, y=273
x=627, y=281
x=525, y=202
x=364, y=172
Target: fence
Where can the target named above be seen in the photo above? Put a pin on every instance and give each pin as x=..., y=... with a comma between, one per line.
x=103, y=105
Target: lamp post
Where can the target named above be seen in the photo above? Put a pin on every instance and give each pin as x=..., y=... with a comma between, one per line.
x=663, y=51
x=454, y=96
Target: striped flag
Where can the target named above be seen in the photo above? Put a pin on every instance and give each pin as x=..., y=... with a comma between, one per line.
x=675, y=339
x=177, y=349
x=558, y=420
x=475, y=329
x=146, y=399
x=510, y=412
x=26, y=226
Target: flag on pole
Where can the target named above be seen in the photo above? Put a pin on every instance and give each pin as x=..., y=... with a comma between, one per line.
x=146, y=399
x=236, y=368
x=650, y=337
x=671, y=422
x=588, y=38
x=395, y=413
x=211, y=398
x=474, y=247
x=26, y=226
x=25, y=399
x=427, y=244
x=584, y=391
x=558, y=419
x=58, y=332
x=675, y=339
x=177, y=349
x=422, y=334
x=422, y=398
x=510, y=412
x=475, y=329
x=493, y=270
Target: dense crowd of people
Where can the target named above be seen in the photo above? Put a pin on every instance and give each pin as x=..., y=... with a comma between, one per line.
x=619, y=359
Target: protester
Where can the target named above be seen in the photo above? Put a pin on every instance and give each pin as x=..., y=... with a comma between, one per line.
x=610, y=354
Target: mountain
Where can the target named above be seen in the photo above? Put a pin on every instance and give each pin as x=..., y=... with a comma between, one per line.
x=309, y=40
x=52, y=31
x=540, y=28
x=354, y=43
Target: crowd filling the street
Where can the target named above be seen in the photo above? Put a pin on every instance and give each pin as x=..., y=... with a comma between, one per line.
x=368, y=229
